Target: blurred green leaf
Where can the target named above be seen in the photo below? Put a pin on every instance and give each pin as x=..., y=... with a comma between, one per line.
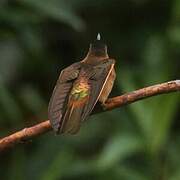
x=118, y=148
x=33, y=100
x=174, y=34
x=176, y=11
x=58, y=10
x=162, y=120
x=17, y=166
x=18, y=17
x=126, y=173
x=10, y=58
x=61, y=163
x=154, y=55
x=142, y=114
x=9, y=105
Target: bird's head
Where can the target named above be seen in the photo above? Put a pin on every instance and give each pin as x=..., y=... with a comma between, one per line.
x=98, y=48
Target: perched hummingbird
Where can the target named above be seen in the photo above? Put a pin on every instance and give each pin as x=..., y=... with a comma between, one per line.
x=79, y=87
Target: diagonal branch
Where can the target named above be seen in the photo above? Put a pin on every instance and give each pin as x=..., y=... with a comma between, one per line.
x=115, y=102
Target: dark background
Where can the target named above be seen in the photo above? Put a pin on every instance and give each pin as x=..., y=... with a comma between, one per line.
x=38, y=38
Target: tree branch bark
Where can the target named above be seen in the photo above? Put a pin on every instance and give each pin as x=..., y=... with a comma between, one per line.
x=112, y=103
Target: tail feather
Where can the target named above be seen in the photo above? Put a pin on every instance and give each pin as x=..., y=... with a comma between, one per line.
x=72, y=120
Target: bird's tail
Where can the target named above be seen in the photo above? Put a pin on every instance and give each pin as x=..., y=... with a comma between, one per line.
x=72, y=117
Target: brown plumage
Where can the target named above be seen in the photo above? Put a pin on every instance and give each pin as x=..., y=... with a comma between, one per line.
x=79, y=87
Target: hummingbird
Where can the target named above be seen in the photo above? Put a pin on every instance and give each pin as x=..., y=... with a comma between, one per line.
x=79, y=87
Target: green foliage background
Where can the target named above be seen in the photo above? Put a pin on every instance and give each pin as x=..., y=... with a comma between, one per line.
x=38, y=38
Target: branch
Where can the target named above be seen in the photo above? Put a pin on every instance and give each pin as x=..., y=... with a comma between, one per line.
x=115, y=102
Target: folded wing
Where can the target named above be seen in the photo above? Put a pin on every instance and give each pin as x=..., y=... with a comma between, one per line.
x=59, y=97
x=97, y=82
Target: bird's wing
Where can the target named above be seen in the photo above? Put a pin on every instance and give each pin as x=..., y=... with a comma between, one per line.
x=83, y=98
x=97, y=82
x=60, y=94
